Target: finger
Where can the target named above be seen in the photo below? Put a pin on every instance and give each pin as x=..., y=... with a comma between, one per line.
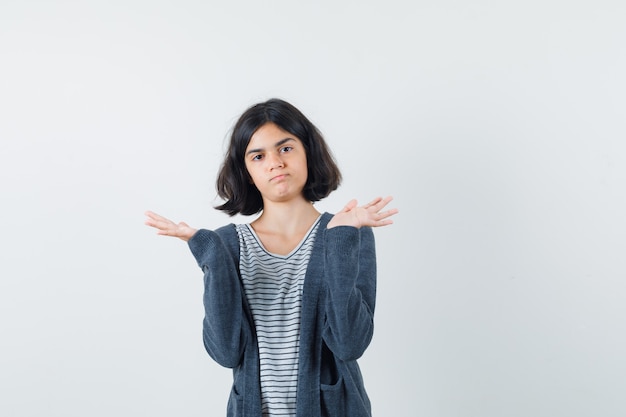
x=351, y=204
x=151, y=214
x=381, y=203
x=383, y=223
x=154, y=216
x=384, y=218
x=388, y=213
x=373, y=202
x=154, y=221
x=161, y=224
x=165, y=232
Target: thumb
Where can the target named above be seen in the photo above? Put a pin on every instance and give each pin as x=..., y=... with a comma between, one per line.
x=351, y=204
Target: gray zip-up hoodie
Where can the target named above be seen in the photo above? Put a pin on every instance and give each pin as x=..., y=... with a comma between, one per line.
x=337, y=320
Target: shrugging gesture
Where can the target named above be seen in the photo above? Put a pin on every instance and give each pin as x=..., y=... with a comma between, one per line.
x=289, y=298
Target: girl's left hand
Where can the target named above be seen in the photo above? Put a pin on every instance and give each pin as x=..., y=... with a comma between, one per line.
x=367, y=215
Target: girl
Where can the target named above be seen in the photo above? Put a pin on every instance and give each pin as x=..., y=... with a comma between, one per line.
x=288, y=298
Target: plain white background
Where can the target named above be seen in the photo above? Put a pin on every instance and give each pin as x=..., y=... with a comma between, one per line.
x=497, y=126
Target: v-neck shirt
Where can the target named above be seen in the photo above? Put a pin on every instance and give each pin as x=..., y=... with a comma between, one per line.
x=273, y=285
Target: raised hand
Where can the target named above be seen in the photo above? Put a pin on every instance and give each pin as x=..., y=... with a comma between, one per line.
x=166, y=227
x=370, y=214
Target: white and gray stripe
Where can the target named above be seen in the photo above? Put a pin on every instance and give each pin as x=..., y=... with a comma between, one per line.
x=273, y=286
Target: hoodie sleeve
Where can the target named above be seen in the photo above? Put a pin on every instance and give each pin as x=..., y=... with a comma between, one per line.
x=223, y=303
x=351, y=290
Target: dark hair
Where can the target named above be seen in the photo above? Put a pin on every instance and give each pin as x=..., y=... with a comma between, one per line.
x=233, y=181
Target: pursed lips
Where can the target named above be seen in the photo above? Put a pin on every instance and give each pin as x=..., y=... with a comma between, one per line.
x=278, y=177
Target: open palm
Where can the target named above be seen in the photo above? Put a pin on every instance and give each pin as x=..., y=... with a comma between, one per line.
x=371, y=214
x=166, y=227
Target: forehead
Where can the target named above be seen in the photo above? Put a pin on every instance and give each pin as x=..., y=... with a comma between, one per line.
x=268, y=135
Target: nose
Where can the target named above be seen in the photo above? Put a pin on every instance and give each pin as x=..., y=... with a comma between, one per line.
x=275, y=161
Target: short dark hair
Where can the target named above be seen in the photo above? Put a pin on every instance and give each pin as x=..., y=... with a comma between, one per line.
x=233, y=182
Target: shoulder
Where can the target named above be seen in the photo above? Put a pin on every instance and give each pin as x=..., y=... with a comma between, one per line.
x=227, y=232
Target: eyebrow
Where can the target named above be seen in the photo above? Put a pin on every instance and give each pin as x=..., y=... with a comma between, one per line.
x=276, y=145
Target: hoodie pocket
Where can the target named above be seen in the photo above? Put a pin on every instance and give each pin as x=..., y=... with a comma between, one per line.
x=333, y=399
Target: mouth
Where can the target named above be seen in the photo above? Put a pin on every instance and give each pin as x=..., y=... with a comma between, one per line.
x=278, y=177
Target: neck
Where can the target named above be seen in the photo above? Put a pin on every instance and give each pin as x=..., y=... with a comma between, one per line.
x=286, y=217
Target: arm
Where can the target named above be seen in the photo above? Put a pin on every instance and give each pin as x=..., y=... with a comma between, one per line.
x=222, y=324
x=351, y=290
x=351, y=276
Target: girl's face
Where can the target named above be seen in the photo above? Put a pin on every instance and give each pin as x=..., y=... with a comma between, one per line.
x=276, y=162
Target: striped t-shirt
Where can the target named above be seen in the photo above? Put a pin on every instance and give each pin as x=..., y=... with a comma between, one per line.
x=273, y=286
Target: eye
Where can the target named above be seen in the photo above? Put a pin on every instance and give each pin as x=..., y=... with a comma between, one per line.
x=286, y=149
x=257, y=157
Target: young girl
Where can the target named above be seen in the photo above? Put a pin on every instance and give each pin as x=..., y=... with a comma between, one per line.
x=289, y=298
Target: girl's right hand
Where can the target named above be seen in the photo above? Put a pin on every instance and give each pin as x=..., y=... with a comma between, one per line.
x=166, y=227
